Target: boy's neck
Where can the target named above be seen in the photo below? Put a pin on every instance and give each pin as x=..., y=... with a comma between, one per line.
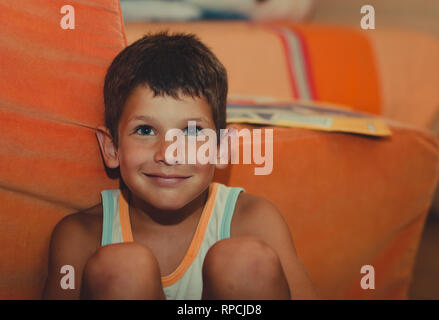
x=148, y=217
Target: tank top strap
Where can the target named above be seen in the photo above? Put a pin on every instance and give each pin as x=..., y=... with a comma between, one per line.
x=222, y=213
x=229, y=209
x=114, y=228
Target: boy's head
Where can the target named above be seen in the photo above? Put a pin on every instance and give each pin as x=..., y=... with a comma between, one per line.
x=169, y=65
x=159, y=83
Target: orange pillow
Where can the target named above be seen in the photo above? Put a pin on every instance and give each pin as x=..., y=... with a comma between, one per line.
x=286, y=61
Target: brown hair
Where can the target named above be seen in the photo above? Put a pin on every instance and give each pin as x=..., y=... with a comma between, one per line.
x=168, y=65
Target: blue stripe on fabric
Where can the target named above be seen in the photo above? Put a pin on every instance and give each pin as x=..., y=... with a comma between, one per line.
x=298, y=63
x=107, y=227
x=302, y=81
x=228, y=212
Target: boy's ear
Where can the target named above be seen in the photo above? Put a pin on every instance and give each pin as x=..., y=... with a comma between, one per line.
x=108, y=147
x=225, y=152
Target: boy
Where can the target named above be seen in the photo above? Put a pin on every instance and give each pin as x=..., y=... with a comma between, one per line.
x=169, y=232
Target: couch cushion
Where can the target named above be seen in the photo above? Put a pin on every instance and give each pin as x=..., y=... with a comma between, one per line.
x=350, y=201
x=50, y=102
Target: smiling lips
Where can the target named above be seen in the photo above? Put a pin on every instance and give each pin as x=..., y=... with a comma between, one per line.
x=166, y=180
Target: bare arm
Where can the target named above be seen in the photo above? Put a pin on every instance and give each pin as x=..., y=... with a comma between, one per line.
x=261, y=219
x=70, y=245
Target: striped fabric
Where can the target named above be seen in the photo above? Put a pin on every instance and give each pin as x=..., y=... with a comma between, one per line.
x=299, y=67
x=185, y=282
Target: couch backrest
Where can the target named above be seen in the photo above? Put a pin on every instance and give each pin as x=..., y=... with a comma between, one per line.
x=50, y=102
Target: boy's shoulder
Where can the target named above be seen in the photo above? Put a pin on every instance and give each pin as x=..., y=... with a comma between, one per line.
x=84, y=226
x=254, y=214
x=86, y=218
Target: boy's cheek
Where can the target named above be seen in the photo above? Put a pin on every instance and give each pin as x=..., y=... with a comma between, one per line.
x=205, y=171
x=135, y=154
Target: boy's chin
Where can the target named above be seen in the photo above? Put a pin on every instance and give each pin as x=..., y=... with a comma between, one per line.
x=171, y=203
x=165, y=203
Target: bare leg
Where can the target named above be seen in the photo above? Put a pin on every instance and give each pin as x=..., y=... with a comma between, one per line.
x=122, y=271
x=243, y=268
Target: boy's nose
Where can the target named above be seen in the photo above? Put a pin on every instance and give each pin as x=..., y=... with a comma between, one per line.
x=163, y=154
x=160, y=151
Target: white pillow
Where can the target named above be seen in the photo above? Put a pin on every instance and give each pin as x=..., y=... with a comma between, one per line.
x=184, y=10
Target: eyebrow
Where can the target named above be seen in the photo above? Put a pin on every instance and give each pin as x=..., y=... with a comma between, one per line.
x=147, y=118
x=197, y=119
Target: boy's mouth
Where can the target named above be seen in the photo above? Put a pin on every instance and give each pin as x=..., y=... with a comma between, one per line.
x=166, y=180
x=166, y=176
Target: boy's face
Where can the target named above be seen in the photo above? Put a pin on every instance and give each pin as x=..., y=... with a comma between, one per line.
x=142, y=147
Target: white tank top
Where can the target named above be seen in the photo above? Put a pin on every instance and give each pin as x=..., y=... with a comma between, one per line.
x=185, y=282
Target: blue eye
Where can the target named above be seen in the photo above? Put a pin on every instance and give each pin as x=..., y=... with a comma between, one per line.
x=192, y=131
x=144, y=130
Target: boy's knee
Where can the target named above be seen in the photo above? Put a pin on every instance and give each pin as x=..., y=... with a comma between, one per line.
x=242, y=258
x=118, y=259
x=119, y=267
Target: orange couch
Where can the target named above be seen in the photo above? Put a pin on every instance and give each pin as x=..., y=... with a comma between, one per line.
x=393, y=73
x=349, y=200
